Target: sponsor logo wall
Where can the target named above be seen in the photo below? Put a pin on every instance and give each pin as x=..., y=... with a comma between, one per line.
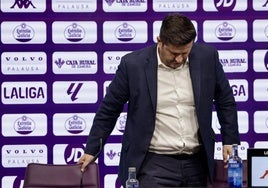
x=58, y=58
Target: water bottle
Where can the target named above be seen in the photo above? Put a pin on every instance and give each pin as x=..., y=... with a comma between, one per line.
x=132, y=182
x=235, y=169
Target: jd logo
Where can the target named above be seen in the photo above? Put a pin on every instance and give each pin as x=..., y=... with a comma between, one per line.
x=226, y=4
x=73, y=152
x=23, y=3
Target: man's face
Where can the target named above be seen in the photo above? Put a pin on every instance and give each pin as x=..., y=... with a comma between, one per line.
x=173, y=56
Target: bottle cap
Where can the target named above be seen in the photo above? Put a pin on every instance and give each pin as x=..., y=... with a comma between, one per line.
x=132, y=169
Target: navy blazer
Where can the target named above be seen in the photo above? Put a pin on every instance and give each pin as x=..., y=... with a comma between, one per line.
x=135, y=82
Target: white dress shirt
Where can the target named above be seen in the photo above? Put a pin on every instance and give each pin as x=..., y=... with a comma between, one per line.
x=176, y=126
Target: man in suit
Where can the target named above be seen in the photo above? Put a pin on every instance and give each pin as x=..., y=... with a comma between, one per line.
x=171, y=88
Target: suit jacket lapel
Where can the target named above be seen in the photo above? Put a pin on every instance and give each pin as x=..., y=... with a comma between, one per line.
x=195, y=76
x=151, y=75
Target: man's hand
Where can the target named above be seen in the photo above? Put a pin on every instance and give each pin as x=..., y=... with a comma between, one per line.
x=227, y=152
x=85, y=160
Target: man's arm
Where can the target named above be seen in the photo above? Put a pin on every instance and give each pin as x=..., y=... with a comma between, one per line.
x=85, y=160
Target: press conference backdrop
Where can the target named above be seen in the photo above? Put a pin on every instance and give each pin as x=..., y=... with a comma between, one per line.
x=59, y=56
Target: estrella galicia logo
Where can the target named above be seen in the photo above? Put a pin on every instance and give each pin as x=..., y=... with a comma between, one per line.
x=110, y=2
x=74, y=91
x=75, y=124
x=74, y=32
x=225, y=5
x=23, y=33
x=23, y=4
x=121, y=123
x=266, y=60
x=24, y=125
x=225, y=31
x=125, y=32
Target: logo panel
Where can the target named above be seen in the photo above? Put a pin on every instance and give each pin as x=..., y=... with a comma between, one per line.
x=260, y=91
x=240, y=89
x=65, y=124
x=124, y=5
x=120, y=124
x=225, y=31
x=27, y=6
x=260, y=5
x=29, y=32
x=24, y=92
x=81, y=32
x=125, y=32
x=75, y=62
x=243, y=122
x=111, y=181
x=67, y=153
x=260, y=30
x=242, y=150
x=234, y=60
x=74, y=5
x=18, y=125
x=66, y=92
x=261, y=121
x=260, y=60
x=112, y=154
x=175, y=5
x=12, y=181
x=111, y=60
x=15, y=156
x=224, y=5
x=261, y=144
x=106, y=87
x=16, y=63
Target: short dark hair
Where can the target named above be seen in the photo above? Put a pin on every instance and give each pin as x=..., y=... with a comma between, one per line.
x=177, y=30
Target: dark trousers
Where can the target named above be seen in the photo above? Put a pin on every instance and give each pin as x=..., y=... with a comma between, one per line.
x=173, y=171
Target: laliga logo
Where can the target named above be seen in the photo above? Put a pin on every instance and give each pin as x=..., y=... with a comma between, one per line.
x=74, y=33
x=23, y=33
x=125, y=32
x=24, y=125
x=225, y=31
x=75, y=124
